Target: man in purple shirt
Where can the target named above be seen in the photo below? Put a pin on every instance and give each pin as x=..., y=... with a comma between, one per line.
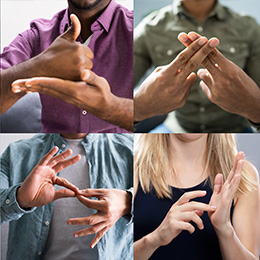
x=86, y=70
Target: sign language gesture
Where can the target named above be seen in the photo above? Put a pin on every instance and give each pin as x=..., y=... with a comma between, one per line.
x=168, y=87
x=226, y=85
x=38, y=188
x=111, y=205
x=224, y=194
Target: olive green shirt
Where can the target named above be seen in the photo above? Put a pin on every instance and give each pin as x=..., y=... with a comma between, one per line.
x=156, y=43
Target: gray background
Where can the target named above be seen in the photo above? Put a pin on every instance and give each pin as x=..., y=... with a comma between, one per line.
x=248, y=143
x=143, y=7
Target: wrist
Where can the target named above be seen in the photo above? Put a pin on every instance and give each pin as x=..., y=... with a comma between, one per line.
x=141, y=112
x=152, y=241
x=225, y=231
x=22, y=204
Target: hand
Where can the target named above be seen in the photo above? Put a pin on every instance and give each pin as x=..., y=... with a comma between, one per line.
x=168, y=87
x=65, y=58
x=111, y=205
x=178, y=218
x=92, y=94
x=38, y=188
x=224, y=194
x=226, y=85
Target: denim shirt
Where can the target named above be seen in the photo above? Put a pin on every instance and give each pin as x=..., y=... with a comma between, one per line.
x=110, y=158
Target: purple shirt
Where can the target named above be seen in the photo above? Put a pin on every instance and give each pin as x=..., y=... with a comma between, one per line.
x=112, y=45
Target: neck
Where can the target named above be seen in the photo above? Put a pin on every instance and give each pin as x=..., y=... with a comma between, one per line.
x=199, y=9
x=88, y=16
x=188, y=160
x=73, y=136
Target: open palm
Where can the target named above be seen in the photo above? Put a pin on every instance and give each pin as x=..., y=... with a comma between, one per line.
x=38, y=188
x=224, y=194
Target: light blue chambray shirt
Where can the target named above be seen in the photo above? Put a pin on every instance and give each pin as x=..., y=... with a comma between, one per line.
x=110, y=158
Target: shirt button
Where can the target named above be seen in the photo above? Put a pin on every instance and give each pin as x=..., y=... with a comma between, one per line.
x=202, y=127
x=169, y=52
x=40, y=252
x=84, y=112
x=200, y=28
x=202, y=109
x=232, y=50
x=7, y=201
x=46, y=223
x=63, y=146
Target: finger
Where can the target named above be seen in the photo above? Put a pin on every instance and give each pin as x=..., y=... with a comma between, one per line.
x=73, y=32
x=90, y=230
x=64, y=193
x=92, y=78
x=98, y=236
x=238, y=157
x=54, y=160
x=204, y=75
x=45, y=159
x=192, y=216
x=89, y=221
x=91, y=203
x=195, y=61
x=190, y=80
x=19, y=86
x=88, y=54
x=94, y=192
x=65, y=183
x=234, y=186
x=66, y=163
x=185, y=56
x=186, y=197
x=206, y=90
x=194, y=205
x=218, y=183
x=199, y=212
x=187, y=39
x=186, y=226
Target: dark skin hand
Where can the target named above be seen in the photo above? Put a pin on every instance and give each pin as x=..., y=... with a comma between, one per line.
x=168, y=87
x=92, y=94
x=74, y=57
x=226, y=85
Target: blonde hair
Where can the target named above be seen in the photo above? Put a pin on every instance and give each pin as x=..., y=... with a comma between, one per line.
x=152, y=162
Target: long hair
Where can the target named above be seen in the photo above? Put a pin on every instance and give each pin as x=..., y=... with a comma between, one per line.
x=152, y=162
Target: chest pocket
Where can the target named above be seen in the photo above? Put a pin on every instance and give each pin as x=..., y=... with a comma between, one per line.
x=237, y=52
x=164, y=54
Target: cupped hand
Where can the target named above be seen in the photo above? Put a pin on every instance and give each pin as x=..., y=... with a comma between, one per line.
x=111, y=205
x=179, y=217
x=38, y=188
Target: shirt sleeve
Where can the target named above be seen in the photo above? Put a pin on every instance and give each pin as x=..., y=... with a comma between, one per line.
x=20, y=49
x=10, y=209
x=142, y=60
x=130, y=217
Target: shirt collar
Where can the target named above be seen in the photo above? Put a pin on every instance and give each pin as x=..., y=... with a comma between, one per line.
x=105, y=19
x=218, y=10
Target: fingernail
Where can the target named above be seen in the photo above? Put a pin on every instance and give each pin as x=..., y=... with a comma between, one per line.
x=16, y=90
x=28, y=86
x=192, y=36
x=28, y=92
x=213, y=43
x=76, y=235
x=213, y=207
x=203, y=192
x=202, y=41
x=85, y=75
x=183, y=38
x=69, y=223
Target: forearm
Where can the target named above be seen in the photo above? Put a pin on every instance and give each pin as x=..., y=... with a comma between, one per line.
x=120, y=113
x=231, y=247
x=24, y=70
x=144, y=248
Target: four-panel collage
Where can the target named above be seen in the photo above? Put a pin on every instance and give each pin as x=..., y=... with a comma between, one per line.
x=130, y=130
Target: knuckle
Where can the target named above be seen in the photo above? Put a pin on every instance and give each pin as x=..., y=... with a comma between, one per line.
x=205, y=51
x=193, y=65
x=183, y=57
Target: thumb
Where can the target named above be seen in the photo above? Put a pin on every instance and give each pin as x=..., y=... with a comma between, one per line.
x=74, y=31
